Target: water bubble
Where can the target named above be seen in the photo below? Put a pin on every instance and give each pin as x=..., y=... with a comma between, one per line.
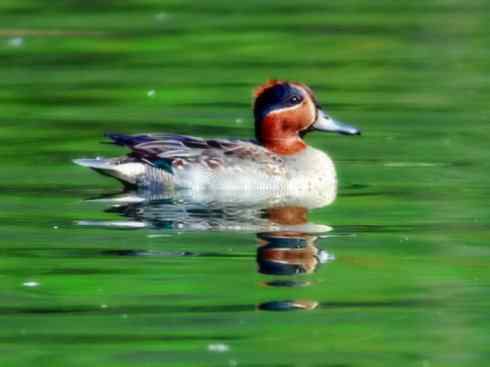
x=158, y=235
x=161, y=16
x=15, y=41
x=30, y=284
x=151, y=93
x=324, y=256
x=218, y=348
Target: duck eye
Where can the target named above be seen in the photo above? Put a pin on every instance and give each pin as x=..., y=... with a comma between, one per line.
x=295, y=100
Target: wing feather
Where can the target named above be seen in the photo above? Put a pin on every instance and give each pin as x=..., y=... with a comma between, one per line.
x=177, y=151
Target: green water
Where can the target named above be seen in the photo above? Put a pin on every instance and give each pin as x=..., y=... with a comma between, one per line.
x=407, y=280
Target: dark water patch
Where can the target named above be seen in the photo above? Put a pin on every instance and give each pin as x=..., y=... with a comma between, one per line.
x=102, y=338
x=109, y=6
x=407, y=64
x=407, y=303
x=419, y=195
x=417, y=107
x=413, y=164
x=68, y=271
x=62, y=100
x=16, y=10
x=93, y=125
x=139, y=62
x=357, y=186
x=314, y=8
x=218, y=104
x=153, y=253
x=365, y=30
x=64, y=271
x=416, y=228
x=361, y=194
x=76, y=60
x=68, y=190
x=245, y=9
x=80, y=7
x=35, y=220
x=397, y=31
x=180, y=309
x=129, y=310
x=90, y=85
x=229, y=64
x=287, y=283
x=135, y=253
x=68, y=253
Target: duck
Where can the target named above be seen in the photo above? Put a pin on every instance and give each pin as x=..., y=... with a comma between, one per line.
x=276, y=168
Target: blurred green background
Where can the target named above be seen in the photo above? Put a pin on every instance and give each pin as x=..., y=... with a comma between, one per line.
x=410, y=283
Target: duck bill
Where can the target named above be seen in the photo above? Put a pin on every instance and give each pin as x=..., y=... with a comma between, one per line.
x=327, y=123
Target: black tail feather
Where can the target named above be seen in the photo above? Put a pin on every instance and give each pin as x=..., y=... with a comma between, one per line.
x=126, y=140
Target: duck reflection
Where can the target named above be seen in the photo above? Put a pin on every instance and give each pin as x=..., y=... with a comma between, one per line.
x=289, y=253
x=149, y=210
x=287, y=241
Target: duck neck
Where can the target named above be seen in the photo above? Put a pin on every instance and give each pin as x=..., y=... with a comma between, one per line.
x=279, y=136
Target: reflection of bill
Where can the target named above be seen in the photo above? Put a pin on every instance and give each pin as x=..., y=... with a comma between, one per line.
x=288, y=305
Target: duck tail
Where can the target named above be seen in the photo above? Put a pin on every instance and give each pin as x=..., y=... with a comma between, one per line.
x=126, y=172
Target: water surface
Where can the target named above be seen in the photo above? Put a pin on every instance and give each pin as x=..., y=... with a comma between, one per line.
x=399, y=277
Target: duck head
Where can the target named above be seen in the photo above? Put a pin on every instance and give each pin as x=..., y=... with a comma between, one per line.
x=285, y=111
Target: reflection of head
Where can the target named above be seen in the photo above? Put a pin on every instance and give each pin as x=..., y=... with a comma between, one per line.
x=287, y=253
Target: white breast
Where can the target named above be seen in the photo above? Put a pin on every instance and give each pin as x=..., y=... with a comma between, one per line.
x=312, y=178
x=306, y=179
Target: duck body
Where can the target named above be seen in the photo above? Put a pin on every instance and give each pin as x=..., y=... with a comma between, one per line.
x=276, y=169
